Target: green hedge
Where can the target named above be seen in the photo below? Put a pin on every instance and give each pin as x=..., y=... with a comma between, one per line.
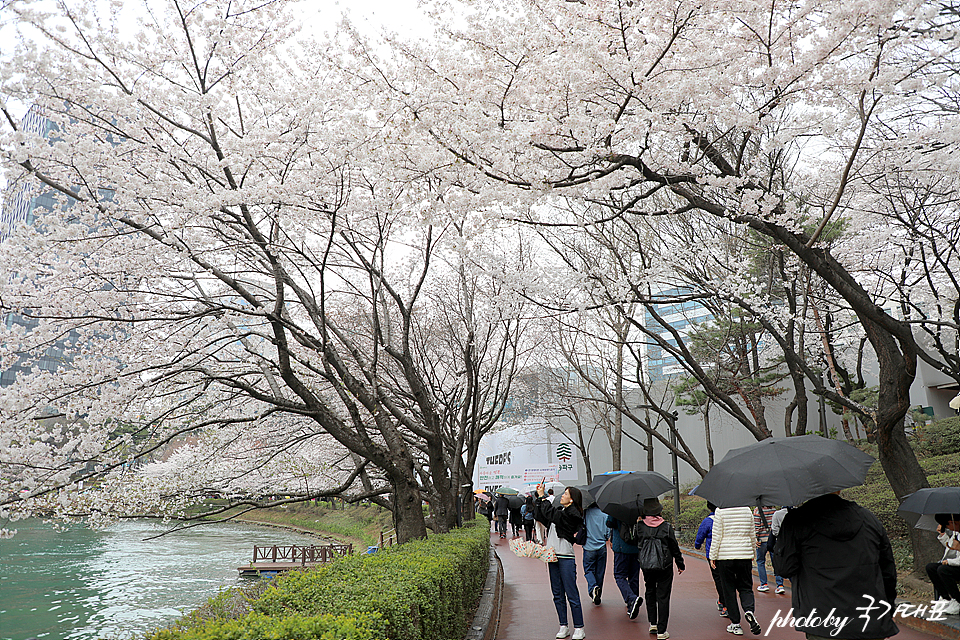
x=420, y=590
x=257, y=626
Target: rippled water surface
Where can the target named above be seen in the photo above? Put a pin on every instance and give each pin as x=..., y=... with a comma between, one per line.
x=82, y=584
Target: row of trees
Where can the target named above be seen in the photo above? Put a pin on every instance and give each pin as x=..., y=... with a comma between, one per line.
x=342, y=252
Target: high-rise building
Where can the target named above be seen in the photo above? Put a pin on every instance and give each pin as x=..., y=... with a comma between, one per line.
x=23, y=203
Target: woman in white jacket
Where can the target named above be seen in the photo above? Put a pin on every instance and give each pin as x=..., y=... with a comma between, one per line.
x=732, y=551
x=945, y=574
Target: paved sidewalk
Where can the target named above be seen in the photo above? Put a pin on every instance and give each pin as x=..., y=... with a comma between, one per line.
x=528, y=613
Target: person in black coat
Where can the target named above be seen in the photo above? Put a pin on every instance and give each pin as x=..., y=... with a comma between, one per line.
x=838, y=558
x=563, y=520
x=516, y=520
x=658, y=581
x=501, y=510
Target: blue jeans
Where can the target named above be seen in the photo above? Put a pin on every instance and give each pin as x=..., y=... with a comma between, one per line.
x=762, y=564
x=563, y=583
x=626, y=571
x=594, y=567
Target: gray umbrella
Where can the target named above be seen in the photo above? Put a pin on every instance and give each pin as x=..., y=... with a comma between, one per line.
x=929, y=501
x=515, y=502
x=586, y=495
x=784, y=471
x=622, y=497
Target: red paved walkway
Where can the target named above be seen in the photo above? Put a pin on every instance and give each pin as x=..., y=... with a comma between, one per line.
x=528, y=612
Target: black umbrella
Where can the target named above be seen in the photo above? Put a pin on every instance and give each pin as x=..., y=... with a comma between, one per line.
x=929, y=501
x=515, y=502
x=784, y=471
x=622, y=496
x=586, y=495
x=602, y=479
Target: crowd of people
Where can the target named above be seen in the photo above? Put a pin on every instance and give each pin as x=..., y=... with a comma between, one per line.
x=835, y=553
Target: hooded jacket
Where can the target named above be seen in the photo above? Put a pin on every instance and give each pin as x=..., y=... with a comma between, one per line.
x=838, y=558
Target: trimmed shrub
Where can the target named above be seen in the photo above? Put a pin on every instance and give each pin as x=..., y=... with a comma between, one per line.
x=939, y=437
x=420, y=590
x=424, y=589
x=260, y=627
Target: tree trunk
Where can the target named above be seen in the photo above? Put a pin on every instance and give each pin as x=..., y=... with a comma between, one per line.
x=408, y=511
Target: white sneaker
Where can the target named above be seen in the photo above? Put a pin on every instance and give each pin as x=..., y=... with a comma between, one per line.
x=763, y=587
x=952, y=608
x=563, y=632
x=653, y=628
x=663, y=636
x=579, y=633
x=735, y=629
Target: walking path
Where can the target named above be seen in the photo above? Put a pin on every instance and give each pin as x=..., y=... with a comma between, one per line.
x=527, y=612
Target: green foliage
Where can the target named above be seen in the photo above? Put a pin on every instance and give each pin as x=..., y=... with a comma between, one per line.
x=938, y=437
x=420, y=590
x=423, y=589
x=260, y=627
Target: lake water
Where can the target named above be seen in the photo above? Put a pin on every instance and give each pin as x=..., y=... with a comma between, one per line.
x=84, y=584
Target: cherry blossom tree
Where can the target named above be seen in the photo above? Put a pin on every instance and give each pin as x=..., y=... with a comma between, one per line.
x=250, y=267
x=663, y=108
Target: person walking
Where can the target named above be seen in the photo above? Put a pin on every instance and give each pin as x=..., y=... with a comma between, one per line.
x=732, y=552
x=562, y=521
x=704, y=539
x=839, y=559
x=527, y=512
x=944, y=574
x=595, y=551
x=626, y=569
x=652, y=529
x=516, y=520
x=775, y=523
x=762, y=517
x=502, y=510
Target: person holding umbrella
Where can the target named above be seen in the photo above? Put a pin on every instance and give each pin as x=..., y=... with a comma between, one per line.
x=562, y=521
x=732, y=551
x=502, y=510
x=652, y=529
x=944, y=574
x=838, y=558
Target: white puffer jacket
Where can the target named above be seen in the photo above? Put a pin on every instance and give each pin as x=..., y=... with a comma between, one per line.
x=734, y=536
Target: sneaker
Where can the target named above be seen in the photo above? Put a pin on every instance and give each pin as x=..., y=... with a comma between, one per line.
x=723, y=613
x=635, y=607
x=752, y=621
x=763, y=587
x=595, y=595
x=579, y=634
x=781, y=590
x=720, y=606
x=735, y=629
x=653, y=628
x=663, y=636
x=952, y=608
x=563, y=632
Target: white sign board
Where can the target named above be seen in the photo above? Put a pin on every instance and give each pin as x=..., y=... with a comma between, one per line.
x=520, y=457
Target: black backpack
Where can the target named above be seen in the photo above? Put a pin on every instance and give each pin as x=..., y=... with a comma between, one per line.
x=580, y=537
x=628, y=533
x=653, y=551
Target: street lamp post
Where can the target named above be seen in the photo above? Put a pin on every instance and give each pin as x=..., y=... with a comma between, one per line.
x=672, y=423
x=671, y=418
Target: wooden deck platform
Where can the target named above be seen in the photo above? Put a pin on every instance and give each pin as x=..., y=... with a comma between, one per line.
x=275, y=559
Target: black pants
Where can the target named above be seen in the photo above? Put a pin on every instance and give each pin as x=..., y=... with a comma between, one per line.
x=736, y=577
x=944, y=579
x=528, y=529
x=658, y=584
x=715, y=573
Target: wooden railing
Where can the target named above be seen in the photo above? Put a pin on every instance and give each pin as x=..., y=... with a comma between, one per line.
x=303, y=555
x=388, y=538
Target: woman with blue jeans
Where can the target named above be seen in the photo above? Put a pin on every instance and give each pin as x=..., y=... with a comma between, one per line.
x=562, y=523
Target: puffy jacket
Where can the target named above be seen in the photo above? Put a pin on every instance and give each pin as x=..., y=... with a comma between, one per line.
x=567, y=520
x=616, y=542
x=734, y=537
x=838, y=557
